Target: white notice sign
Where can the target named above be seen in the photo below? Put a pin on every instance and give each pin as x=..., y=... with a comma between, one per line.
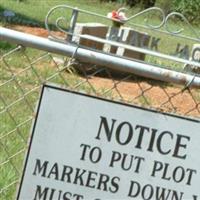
x=83, y=147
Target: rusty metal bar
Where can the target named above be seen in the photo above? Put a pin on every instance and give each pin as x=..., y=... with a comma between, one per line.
x=99, y=58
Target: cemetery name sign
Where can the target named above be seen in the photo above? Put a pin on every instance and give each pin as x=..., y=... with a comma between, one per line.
x=84, y=147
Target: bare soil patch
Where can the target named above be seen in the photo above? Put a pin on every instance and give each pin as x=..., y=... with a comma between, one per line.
x=162, y=97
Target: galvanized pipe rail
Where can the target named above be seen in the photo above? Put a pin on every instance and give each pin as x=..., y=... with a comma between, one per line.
x=99, y=58
x=141, y=50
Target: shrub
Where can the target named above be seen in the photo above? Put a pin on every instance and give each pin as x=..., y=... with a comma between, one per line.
x=189, y=8
x=131, y=3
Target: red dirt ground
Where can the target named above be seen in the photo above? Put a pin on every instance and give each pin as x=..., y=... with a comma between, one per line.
x=170, y=97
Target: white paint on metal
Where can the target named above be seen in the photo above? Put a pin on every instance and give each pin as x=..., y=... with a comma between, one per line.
x=100, y=58
x=83, y=145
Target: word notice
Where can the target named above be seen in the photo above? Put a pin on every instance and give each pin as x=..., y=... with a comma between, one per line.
x=84, y=147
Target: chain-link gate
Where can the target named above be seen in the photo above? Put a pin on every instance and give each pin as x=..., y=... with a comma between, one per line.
x=23, y=70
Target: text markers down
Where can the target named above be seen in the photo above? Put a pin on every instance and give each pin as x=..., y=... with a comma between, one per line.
x=84, y=147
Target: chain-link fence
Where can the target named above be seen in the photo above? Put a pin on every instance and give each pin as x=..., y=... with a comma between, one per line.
x=24, y=70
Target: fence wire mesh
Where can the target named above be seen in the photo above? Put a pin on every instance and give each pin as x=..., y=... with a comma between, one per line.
x=24, y=70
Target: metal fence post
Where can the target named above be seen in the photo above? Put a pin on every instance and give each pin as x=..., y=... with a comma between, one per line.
x=72, y=24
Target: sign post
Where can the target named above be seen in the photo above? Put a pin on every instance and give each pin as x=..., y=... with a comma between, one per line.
x=84, y=147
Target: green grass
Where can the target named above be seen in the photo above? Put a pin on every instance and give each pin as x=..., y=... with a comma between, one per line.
x=18, y=78
x=27, y=9
x=16, y=83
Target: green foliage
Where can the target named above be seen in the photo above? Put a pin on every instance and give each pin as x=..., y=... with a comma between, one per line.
x=166, y=6
x=131, y=3
x=189, y=8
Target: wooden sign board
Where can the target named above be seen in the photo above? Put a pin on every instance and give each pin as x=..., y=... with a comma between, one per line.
x=84, y=147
